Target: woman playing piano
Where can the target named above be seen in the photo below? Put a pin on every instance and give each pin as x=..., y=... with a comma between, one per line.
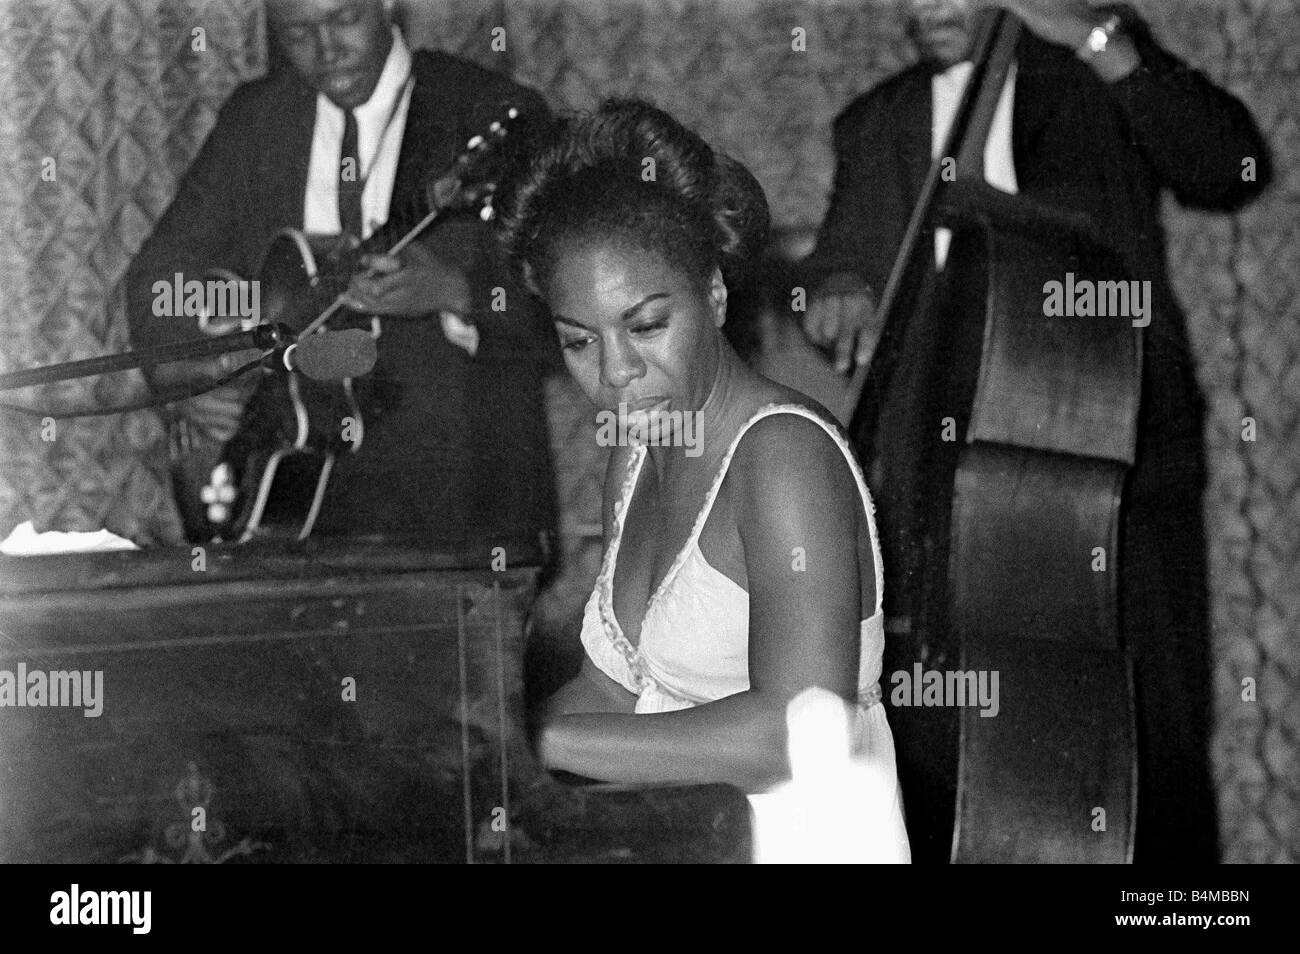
x=740, y=564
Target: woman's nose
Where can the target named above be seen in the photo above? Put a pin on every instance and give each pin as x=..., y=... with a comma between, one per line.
x=620, y=364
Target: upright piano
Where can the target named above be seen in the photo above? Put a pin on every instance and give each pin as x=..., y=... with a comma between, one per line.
x=354, y=700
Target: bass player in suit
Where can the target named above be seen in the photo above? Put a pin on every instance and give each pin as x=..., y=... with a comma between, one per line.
x=455, y=447
x=1096, y=117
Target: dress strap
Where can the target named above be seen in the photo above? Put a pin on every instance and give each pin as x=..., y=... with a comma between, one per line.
x=840, y=441
x=631, y=474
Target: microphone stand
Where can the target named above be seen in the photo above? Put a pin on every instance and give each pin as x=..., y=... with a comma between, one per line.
x=262, y=338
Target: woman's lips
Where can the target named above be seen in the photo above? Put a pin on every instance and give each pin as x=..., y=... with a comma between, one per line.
x=643, y=404
x=642, y=415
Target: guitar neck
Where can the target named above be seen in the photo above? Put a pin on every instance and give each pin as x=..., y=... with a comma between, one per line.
x=390, y=238
x=399, y=225
x=465, y=185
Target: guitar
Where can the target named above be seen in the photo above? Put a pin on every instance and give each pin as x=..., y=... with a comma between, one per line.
x=272, y=475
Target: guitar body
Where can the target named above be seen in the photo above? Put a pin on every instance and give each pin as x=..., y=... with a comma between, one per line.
x=277, y=466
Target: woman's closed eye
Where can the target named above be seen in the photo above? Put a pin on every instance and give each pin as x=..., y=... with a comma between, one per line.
x=650, y=327
x=644, y=329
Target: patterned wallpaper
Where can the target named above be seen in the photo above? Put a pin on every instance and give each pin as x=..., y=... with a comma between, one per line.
x=103, y=106
x=116, y=94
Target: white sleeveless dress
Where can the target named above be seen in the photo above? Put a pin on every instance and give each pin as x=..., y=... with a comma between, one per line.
x=694, y=645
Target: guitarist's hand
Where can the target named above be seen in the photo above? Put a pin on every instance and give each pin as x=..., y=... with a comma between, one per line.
x=413, y=283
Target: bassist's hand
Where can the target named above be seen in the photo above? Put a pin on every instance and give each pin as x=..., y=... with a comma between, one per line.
x=416, y=282
x=1064, y=22
x=839, y=317
x=1068, y=23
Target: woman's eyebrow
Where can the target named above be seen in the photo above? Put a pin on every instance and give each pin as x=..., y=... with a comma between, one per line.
x=559, y=319
x=641, y=304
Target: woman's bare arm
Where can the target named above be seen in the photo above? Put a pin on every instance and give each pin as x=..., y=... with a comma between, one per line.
x=589, y=691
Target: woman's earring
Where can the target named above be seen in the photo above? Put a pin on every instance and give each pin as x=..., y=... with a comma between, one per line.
x=719, y=295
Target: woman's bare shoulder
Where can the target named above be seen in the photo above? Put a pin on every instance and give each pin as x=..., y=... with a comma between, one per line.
x=773, y=392
x=788, y=461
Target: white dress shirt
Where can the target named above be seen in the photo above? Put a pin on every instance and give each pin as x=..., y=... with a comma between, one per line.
x=946, y=90
x=381, y=122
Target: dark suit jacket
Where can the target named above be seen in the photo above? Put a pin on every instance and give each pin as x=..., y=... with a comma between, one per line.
x=1077, y=143
x=454, y=446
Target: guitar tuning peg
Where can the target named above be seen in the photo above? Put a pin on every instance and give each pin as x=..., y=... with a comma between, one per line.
x=495, y=127
x=475, y=142
x=512, y=113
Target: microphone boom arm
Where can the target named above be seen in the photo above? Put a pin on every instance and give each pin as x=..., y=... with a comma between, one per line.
x=263, y=337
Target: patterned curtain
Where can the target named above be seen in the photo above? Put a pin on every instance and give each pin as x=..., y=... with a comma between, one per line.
x=102, y=106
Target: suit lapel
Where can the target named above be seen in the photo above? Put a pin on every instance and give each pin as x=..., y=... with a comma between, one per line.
x=285, y=162
x=1040, y=87
x=429, y=140
x=914, y=126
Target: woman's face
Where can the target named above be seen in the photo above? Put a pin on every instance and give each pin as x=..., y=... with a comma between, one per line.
x=634, y=329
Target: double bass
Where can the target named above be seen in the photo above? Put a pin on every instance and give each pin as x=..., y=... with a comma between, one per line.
x=998, y=436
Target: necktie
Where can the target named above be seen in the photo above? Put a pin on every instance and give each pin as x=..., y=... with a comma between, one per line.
x=350, y=181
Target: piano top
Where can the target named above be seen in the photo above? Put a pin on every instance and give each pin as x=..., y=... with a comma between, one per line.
x=314, y=558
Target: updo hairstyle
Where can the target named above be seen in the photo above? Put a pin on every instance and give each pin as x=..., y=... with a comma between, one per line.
x=631, y=176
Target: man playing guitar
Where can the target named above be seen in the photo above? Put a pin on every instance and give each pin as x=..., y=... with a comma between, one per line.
x=344, y=131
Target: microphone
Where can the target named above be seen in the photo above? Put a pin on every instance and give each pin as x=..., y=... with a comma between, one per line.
x=333, y=355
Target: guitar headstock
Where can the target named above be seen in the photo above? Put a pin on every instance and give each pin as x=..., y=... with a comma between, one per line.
x=469, y=183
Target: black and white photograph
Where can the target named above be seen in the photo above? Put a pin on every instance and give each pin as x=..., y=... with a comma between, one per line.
x=651, y=431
